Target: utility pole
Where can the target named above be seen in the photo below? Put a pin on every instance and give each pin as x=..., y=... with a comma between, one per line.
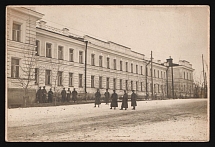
x=151, y=76
x=203, y=76
x=172, y=81
x=167, y=82
x=85, y=71
x=146, y=79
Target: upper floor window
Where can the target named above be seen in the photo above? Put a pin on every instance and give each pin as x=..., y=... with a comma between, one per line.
x=80, y=57
x=71, y=55
x=48, y=50
x=114, y=63
x=154, y=73
x=37, y=47
x=92, y=59
x=14, y=68
x=136, y=69
x=100, y=61
x=161, y=75
x=16, y=35
x=126, y=66
x=60, y=52
x=108, y=62
x=131, y=67
x=121, y=65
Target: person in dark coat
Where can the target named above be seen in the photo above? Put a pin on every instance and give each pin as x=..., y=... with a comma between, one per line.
x=97, y=98
x=133, y=100
x=63, y=93
x=44, y=92
x=50, y=96
x=68, y=93
x=114, y=102
x=107, y=96
x=39, y=95
x=74, y=95
x=124, y=101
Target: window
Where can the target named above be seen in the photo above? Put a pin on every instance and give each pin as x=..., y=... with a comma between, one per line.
x=108, y=62
x=136, y=69
x=100, y=82
x=59, y=78
x=126, y=66
x=71, y=55
x=37, y=47
x=158, y=73
x=161, y=75
x=121, y=65
x=141, y=86
x=107, y=83
x=154, y=73
x=120, y=84
x=48, y=77
x=114, y=63
x=126, y=84
x=114, y=83
x=131, y=85
x=36, y=75
x=60, y=52
x=70, y=79
x=154, y=88
x=16, y=36
x=48, y=50
x=136, y=86
x=92, y=59
x=14, y=68
x=158, y=89
x=92, y=81
x=100, y=61
x=164, y=75
x=141, y=70
x=80, y=80
x=131, y=67
x=80, y=57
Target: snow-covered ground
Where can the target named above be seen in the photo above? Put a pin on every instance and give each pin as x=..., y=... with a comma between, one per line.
x=159, y=120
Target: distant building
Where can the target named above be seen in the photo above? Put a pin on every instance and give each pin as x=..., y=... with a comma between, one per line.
x=59, y=61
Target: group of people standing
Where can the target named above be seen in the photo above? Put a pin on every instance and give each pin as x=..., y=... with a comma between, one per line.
x=41, y=95
x=114, y=99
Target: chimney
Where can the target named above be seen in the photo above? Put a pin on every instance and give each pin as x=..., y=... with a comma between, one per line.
x=42, y=24
x=65, y=31
x=169, y=61
x=159, y=61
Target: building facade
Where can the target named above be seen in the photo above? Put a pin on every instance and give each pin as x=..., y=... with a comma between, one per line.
x=62, y=59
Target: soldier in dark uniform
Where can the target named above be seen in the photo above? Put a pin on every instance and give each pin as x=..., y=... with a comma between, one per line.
x=107, y=96
x=74, y=95
x=63, y=93
x=39, y=95
x=114, y=102
x=50, y=96
x=133, y=100
x=97, y=98
x=68, y=93
x=124, y=101
x=44, y=92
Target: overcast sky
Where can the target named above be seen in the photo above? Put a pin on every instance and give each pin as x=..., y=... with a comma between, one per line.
x=180, y=32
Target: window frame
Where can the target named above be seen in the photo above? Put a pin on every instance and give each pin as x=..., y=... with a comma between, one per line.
x=114, y=64
x=71, y=55
x=93, y=59
x=19, y=30
x=107, y=82
x=92, y=81
x=108, y=62
x=70, y=79
x=47, y=77
x=100, y=60
x=81, y=57
x=60, y=78
x=15, y=67
x=60, y=47
x=80, y=80
x=49, y=50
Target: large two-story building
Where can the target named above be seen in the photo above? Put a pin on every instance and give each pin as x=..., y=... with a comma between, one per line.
x=58, y=59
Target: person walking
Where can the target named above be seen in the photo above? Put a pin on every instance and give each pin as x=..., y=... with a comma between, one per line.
x=50, y=96
x=124, y=101
x=107, y=97
x=39, y=95
x=68, y=93
x=44, y=93
x=133, y=100
x=74, y=95
x=97, y=98
x=63, y=94
x=114, y=102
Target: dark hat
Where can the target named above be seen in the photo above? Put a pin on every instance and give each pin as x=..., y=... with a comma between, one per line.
x=63, y=88
x=44, y=86
x=39, y=87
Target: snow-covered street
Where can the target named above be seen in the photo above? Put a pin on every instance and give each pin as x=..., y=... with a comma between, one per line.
x=159, y=120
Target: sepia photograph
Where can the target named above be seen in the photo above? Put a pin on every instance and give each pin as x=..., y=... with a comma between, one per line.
x=107, y=73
